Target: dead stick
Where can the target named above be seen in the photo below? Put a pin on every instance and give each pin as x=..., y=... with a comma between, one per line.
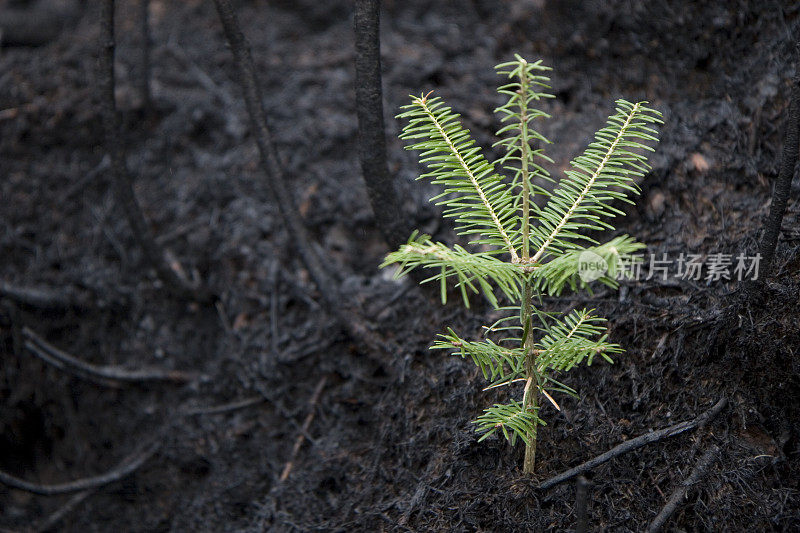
x=126, y=467
x=312, y=403
x=676, y=499
x=386, y=206
x=636, y=443
x=144, y=21
x=80, y=184
x=582, y=504
x=53, y=361
x=200, y=75
x=422, y=488
x=123, y=183
x=783, y=184
x=270, y=162
x=41, y=298
x=51, y=521
x=227, y=407
x=273, y=307
x=332, y=301
x=103, y=375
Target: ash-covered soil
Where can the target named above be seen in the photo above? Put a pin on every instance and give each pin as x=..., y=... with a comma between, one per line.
x=390, y=447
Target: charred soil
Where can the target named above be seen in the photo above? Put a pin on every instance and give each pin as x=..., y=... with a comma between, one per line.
x=390, y=447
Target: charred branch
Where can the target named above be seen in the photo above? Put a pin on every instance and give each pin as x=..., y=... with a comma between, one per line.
x=124, y=469
x=277, y=183
x=386, y=204
x=677, y=497
x=783, y=185
x=121, y=178
x=635, y=444
x=102, y=375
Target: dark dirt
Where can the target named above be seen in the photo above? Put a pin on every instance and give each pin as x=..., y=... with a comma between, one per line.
x=389, y=448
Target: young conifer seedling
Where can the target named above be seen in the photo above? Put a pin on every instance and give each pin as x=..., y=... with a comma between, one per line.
x=524, y=248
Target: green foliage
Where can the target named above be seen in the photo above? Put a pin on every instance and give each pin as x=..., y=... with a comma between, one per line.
x=562, y=270
x=473, y=271
x=525, y=250
x=474, y=194
x=517, y=136
x=604, y=173
x=512, y=419
x=568, y=342
x=497, y=363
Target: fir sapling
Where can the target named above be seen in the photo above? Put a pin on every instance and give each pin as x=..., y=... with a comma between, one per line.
x=523, y=249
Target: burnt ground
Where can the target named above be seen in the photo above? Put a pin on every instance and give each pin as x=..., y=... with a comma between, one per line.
x=390, y=446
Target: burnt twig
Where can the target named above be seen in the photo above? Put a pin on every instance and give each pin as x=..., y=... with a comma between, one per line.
x=276, y=181
x=269, y=155
x=38, y=297
x=675, y=500
x=273, y=307
x=61, y=299
x=126, y=467
x=312, y=404
x=80, y=184
x=102, y=375
x=51, y=521
x=636, y=443
x=422, y=489
x=582, y=504
x=227, y=407
x=123, y=186
x=783, y=185
x=200, y=75
x=144, y=80
x=386, y=205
